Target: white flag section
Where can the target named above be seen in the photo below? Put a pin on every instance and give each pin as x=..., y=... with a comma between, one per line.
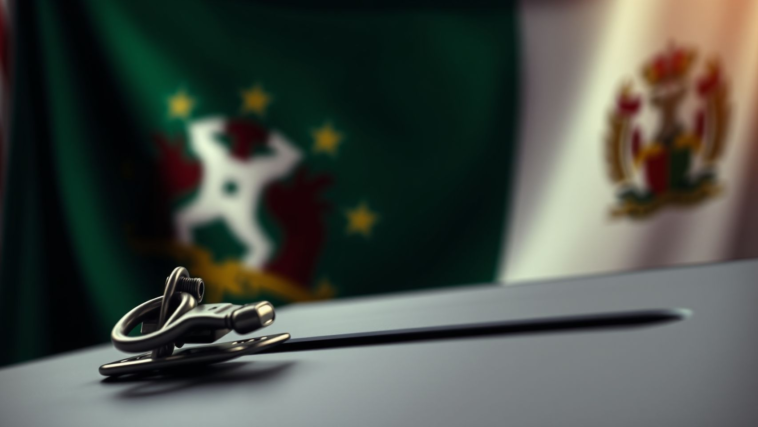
x=572, y=213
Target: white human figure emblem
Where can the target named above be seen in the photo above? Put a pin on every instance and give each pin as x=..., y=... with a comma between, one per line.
x=248, y=178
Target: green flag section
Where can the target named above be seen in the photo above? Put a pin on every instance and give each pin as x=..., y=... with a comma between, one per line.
x=279, y=151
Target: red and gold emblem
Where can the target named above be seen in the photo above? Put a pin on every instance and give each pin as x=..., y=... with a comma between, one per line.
x=673, y=163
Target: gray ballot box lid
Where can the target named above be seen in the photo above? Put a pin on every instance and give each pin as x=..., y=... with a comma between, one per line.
x=697, y=372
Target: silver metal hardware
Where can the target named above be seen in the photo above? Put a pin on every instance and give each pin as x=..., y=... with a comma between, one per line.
x=177, y=318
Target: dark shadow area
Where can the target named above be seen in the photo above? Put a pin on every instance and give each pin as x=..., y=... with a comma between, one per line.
x=177, y=380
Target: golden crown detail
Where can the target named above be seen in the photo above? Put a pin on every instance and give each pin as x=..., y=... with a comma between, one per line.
x=669, y=66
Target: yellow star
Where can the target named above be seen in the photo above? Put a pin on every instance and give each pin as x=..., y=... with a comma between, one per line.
x=361, y=220
x=326, y=139
x=255, y=100
x=180, y=105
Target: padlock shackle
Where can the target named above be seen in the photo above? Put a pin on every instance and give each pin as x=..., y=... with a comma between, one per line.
x=169, y=334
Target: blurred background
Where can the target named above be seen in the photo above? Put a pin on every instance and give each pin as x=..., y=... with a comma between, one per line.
x=296, y=152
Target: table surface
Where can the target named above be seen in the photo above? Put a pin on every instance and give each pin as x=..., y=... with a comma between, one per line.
x=697, y=372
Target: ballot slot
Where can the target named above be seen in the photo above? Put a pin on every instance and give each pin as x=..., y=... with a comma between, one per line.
x=577, y=323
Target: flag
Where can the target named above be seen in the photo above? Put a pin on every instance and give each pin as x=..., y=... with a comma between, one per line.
x=277, y=150
x=294, y=153
x=638, y=141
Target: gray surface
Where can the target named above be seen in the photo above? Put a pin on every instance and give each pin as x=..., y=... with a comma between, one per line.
x=700, y=372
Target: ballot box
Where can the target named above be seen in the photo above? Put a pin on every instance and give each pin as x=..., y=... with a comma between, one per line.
x=696, y=371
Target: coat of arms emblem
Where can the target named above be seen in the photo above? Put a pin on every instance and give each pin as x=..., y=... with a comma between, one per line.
x=675, y=162
x=214, y=179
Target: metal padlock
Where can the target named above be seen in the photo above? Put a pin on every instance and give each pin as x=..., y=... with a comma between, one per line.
x=177, y=318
